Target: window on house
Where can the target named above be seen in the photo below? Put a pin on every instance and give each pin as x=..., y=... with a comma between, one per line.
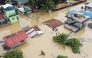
x=22, y=41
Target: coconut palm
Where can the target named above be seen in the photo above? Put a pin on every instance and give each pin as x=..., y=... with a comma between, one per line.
x=61, y=38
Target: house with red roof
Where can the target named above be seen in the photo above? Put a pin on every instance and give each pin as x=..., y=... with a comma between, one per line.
x=14, y=40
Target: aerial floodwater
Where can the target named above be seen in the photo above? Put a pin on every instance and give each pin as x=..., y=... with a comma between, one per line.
x=33, y=46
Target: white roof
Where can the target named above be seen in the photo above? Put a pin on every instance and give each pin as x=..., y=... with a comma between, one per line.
x=31, y=33
x=89, y=5
x=7, y=5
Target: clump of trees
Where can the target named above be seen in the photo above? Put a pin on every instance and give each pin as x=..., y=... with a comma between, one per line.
x=58, y=1
x=13, y=54
x=48, y=5
x=61, y=56
x=60, y=38
x=74, y=43
x=45, y=4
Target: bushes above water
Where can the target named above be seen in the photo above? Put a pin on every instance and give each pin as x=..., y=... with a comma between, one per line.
x=13, y=54
x=61, y=56
x=60, y=38
x=74, y=43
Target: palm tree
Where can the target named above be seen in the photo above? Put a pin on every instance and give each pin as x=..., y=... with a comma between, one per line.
x=61, y=38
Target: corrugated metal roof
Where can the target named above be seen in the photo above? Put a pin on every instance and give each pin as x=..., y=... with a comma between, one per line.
x=15, y=38
x=53, y=23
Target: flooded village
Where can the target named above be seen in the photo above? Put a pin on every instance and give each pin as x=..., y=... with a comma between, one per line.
x=33, y=45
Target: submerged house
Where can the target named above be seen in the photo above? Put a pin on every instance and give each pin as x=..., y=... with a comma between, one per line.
x=14, y=40
x=75, y=21
x=10, y=13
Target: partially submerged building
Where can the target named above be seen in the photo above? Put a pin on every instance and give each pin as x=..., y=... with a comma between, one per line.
x=13, y=40
x=10, y=13
x=75, y=21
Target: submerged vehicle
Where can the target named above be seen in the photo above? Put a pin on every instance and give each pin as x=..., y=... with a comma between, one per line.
x=25, y=10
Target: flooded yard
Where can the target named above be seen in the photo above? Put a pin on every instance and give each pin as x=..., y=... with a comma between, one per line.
x=33, y=46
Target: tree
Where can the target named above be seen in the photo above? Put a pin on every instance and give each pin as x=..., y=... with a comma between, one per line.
x=58, y=1
x=60, y=56
x=48, y=5
x=13, y=54
x=32, y=3
x=61, y=38
x=75, y=44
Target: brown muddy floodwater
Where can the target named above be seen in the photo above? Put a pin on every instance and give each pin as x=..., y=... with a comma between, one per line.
x=33, y=46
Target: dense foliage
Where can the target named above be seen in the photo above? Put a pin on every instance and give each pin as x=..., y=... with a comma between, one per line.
x=60, y=56
x=61, y=38
x=58, y=1
x=73, y=42
x=32, y=3
x=45, y=4
x=48, y=5
x=13, y=54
